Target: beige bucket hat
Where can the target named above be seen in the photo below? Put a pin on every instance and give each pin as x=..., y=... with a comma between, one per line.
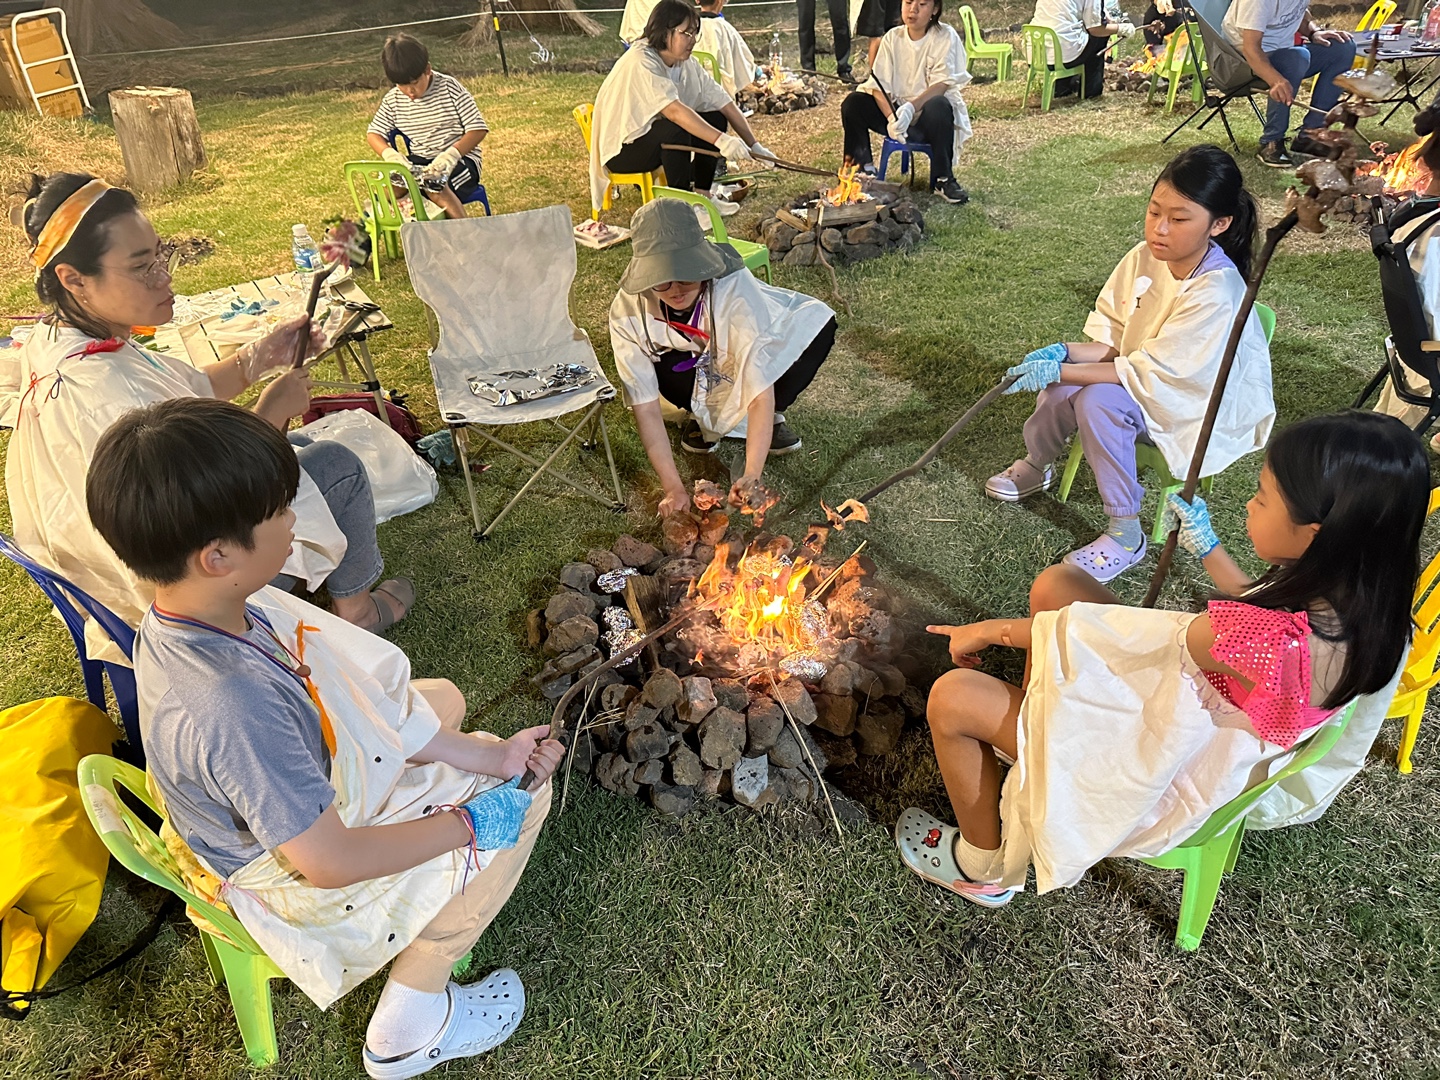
x=667, y=244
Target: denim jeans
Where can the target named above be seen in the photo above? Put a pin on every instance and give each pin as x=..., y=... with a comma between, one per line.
x=1297, y=64
x=342, y=480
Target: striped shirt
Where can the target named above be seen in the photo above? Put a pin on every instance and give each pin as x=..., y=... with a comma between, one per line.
x=432, y=122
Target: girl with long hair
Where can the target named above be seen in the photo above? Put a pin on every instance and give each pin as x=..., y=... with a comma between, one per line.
x=1134, y=725
x=1157, y=336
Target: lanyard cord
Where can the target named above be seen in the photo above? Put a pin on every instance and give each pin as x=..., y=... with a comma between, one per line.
x=689, y=329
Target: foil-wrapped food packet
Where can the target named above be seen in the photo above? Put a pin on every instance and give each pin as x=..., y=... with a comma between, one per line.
x=516, y=387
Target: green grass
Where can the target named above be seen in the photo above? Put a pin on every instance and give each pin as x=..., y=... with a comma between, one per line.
x=730, y=945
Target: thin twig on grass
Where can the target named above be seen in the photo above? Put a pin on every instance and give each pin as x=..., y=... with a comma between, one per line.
x=805, y=749
x=580, y=728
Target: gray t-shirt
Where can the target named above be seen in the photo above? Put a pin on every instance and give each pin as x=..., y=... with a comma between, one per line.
x=232, y=740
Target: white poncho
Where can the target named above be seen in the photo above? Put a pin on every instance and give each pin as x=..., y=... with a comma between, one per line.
x=760, y=331
x=903, y=68
x=638, y=88
x=1170, y=336
x=66, y=401
x=723, y=41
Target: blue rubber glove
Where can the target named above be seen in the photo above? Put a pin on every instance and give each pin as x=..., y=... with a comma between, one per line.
x=1039, y=369
x=497, y=814
x=1196, y=534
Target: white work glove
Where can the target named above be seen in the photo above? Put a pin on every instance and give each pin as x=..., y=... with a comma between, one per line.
x=444, y=163
x=395, y=157
x=734, y=149
x=899, y=125
x=1125, y=28
x=763, y=157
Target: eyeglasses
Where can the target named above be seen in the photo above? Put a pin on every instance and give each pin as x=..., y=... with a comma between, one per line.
x=691, y=34
x=158, y=272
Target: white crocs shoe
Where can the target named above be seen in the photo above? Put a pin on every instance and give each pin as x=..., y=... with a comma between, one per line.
x=1019, y=481
x=1105, y=558
x=482, y=1016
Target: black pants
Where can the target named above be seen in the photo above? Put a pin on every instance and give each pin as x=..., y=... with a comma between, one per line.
x=689, y=172
x=1172, y=23
x=934, y=124
x=678, y=387
x=839, y=27
x=1092, y=59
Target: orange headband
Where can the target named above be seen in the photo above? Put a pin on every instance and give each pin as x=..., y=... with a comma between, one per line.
x=64, y=221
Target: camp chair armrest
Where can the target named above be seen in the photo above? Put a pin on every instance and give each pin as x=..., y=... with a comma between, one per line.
x=1430, y=346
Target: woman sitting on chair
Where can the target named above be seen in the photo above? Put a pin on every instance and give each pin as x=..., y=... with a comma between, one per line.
x=656, y=95
x=913, y=94
x=102, y=270
x=692, y=325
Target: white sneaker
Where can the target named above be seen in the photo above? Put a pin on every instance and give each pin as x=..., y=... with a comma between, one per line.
x=1019, y=481
x=482, y=1016
x=724, y=205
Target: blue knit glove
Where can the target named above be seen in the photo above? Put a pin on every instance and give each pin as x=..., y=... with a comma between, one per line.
x=1039, y=369
x=1196, y=534
x=497, y=814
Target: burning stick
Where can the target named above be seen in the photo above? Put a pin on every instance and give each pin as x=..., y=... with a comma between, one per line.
x=836, y=572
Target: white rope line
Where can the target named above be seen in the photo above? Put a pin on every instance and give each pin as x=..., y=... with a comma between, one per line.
x=394, y=26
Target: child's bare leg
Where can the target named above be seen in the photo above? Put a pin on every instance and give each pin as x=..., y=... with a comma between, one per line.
x=1058, y=587
x=971, y=714
x=447, y=201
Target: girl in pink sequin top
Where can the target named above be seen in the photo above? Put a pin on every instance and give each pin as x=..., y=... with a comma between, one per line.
x=1132, y=724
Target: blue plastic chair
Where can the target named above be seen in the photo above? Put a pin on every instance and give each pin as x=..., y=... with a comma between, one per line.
x=65, y=596
x=907, y=163
x=478, y=195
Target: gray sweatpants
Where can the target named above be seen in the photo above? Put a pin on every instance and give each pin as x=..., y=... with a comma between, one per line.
x=1109, y=421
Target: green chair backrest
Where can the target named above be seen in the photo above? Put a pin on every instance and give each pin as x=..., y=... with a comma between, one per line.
x=717, y=223
x=371, y=179
x=134, y=844
x=1306, y=754
x=1042, y=43
x=971, y=27
x=1266, y=315
x=709, y=62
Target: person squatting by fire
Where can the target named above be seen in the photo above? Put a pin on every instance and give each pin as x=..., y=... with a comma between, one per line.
x=692, y=326
x=1157, y=334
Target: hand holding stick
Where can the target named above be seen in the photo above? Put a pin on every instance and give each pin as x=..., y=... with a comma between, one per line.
x=315, y=284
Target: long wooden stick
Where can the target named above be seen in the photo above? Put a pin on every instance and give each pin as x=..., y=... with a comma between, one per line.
x=315, y=283
x=1273, y=236
x=781, y=162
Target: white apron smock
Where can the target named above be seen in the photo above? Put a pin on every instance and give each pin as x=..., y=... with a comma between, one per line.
x=638, y=87
x=723, y=41
x=1124, y=748
x=328, y=941
x=904, y=68
x=1171, y=335
x=632, y=22
x=66, y=401
x=1071, y=20
x=759, y=332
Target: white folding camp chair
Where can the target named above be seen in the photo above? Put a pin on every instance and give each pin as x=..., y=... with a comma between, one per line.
x=499, y=290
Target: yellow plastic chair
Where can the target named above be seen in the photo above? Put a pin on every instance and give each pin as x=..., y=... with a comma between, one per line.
x=235, y=960
x=977, y=48
x=1378, y=15
x=1178, y=62
x=1422, y=666
x=756, y=256
x=645, y=181
x=1147, y=456
x=1042, y=42
x=710, y=62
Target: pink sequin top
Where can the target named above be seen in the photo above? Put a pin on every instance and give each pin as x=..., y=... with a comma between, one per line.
x=1270, y=649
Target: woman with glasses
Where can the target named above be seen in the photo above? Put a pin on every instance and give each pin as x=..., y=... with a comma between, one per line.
x=657, y=95
x=101, y=269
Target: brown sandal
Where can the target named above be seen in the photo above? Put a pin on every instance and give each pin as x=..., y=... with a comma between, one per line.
x=402, y=591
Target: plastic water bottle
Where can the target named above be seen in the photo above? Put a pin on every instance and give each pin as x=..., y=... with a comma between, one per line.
x=777, y=59
x=305, y=252
x=1430, y=24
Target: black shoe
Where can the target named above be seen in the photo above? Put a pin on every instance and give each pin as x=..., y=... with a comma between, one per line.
x=952, y=192
x=783, y=440
x=848, y=77
x=1304, y=146
x=692, y=440
x=1274, y=155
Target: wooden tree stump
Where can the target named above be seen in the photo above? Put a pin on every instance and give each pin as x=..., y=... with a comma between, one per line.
x=159, y=136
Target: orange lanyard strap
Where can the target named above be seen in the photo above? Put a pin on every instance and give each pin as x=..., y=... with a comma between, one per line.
x=327, y=729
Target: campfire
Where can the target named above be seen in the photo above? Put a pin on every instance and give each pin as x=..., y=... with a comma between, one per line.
x=848, y=190
x=791, y=664
x=855, y=220
x=1404, y=173
x=789, y=93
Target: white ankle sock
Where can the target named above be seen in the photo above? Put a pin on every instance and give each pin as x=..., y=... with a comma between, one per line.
x=978, y=864
x=405, y=1020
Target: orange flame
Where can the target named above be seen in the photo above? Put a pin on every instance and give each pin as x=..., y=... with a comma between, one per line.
x=760, y=602
x=1403, y=172
x=848, y=189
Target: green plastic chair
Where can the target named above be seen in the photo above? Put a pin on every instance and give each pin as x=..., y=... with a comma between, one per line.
x=977, y=48
x=238, y=963
x=1210, y=854
x=371, y=180
x=1041, y=42
x=1178, y=62
x=1148, y=456
x=710, y=62
x=756, y=256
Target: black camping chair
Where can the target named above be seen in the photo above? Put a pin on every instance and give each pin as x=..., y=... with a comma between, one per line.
x=1409, y=347
x=1227, y=76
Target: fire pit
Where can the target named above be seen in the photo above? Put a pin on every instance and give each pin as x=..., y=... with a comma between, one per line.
x=1403, y=175
x=853, y=221
x=791, y=664
x=790, y=93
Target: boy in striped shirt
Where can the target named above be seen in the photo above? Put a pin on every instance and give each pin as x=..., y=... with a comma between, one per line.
x=437, y=116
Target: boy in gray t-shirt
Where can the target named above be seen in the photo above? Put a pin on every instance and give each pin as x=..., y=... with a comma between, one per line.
x=351, y=821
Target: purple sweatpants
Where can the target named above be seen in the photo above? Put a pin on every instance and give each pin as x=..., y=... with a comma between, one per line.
x=1109, y=421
